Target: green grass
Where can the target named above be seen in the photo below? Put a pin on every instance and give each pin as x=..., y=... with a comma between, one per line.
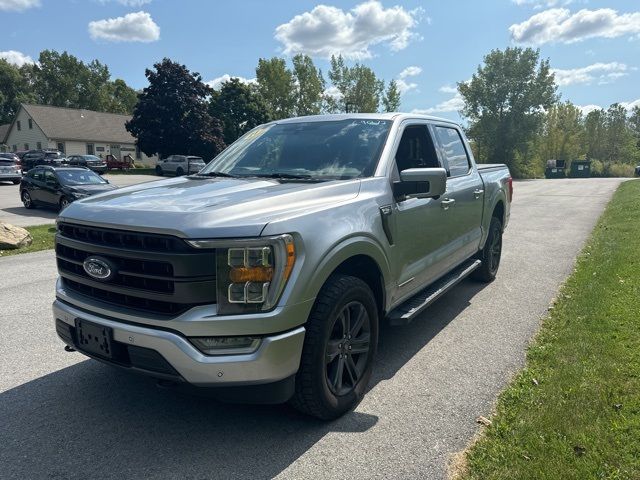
x=574, y=411
x=43, y=236
x=132, y=171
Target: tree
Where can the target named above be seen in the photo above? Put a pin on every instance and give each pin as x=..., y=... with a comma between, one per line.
x=391, y=100
x=15, y=90
x=634, y=122
x=505, y=102
x=171, y=115
x=276, y=86
x=239, y=108
x=620, y=143
x=562, y=136
x=359, y=90
x=310, y=86
x=62, y=80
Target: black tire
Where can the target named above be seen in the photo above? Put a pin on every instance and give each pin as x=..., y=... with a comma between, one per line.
x=159, y=171
x=490, y=254
x=179, y=172
x=64, y=203
x=27, y=201
x=321, y=388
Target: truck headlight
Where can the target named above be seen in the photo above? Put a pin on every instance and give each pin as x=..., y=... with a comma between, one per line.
x=251, y=274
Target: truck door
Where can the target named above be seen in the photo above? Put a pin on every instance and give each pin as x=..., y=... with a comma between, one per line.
x=420, y=240
x=464, y=195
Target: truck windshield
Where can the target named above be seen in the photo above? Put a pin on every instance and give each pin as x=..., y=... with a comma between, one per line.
x=325, y=150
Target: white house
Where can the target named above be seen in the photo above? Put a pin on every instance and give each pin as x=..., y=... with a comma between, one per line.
x=73, y=131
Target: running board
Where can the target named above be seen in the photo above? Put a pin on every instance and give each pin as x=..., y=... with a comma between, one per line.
x=404, y=313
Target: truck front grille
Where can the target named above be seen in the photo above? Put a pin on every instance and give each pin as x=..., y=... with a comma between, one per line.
x=165, y=281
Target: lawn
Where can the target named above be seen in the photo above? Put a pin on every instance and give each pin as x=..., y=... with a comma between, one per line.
x=43, y=236
x=574, y=411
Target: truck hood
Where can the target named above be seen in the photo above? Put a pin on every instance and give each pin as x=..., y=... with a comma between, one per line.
x=196, y=207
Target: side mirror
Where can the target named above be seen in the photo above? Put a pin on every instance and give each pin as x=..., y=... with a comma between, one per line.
x=421, y=183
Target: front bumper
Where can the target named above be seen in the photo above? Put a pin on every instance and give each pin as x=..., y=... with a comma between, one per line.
x=277, y=357
x=5, y=177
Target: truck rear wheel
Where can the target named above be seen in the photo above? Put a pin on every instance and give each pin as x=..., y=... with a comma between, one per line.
x=339, y=348
x=490, y=254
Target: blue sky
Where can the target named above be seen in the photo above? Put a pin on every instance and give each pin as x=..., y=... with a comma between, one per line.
x=427, y=45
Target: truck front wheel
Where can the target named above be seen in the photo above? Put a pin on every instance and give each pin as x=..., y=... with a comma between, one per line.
x=339, y=347
x=490, y=254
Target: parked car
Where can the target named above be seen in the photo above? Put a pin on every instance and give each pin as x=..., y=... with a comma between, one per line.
x=58, y=187
x=179, y=165
x=637, y=171
x=91, y=162
x=33, y=158
x=267, y=274
x=10, y=168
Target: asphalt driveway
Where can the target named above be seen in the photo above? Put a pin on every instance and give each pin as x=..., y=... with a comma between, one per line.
x=66, y=417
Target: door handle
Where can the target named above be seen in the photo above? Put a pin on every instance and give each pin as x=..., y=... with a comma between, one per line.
x=478, y=192
x=447, y=202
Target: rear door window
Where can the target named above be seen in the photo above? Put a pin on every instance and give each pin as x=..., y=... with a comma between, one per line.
x=453, y=150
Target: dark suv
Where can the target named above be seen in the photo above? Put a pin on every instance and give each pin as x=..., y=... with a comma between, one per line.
x=92, y=162
x=41, y=157
x=58, y=187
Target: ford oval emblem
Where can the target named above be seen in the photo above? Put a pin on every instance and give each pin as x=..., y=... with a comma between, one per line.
x=98, y=268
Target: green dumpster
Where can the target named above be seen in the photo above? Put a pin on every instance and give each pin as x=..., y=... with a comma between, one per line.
x=580, y=169
x=555, y=169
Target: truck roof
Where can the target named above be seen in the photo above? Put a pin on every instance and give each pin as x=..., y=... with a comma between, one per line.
x=363, y=116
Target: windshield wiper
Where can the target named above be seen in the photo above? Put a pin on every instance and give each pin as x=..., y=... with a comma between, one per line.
x=213, y=174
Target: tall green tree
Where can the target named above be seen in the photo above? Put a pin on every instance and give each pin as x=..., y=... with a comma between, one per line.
x=562, y=136
x=239, y=108
x=505, y=102
x=634, y=123
x=15, y=89
x=595, y=130
x=310, y=86
x=172, y=114
x=619, y=140
x=360, y=91
x=391, y=100
x=277, y=87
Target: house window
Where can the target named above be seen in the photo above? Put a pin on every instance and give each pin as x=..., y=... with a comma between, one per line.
x=19, y=127
x=39, y=145
x=90, y=150
x=60, y=146
x=26, y=146
x=31, y=125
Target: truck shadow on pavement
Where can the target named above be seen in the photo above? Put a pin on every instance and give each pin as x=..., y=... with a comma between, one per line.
x=92, y=421
x=44, y=213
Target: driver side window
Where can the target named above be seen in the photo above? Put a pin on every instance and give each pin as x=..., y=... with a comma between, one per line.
x=416, y=149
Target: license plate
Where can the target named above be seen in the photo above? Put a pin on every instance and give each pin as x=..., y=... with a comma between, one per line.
x=94, y=339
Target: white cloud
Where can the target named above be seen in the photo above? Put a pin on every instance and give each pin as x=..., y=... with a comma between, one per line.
x=127, y=3
x=133, y=27
x=18, y=5
x=586, y=109
x=542, y=3
x=559, y=25
x=218, y=81
x=448, y=89
x=333, y=92
x=454, y=104
x=602, y=72
x=328, y=30
x=631, y=105
x=405, y=86
x=16, y=58
x=411, y=71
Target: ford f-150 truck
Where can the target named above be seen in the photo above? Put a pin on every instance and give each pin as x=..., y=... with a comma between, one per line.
x=267, y=274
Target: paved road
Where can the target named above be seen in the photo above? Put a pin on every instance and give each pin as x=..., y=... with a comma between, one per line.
x=67, y=417
x=12, y=211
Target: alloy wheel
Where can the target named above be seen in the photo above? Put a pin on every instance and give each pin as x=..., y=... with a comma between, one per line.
x=348, y=348
x=26, y=199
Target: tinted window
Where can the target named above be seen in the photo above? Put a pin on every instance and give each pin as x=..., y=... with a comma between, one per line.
x=37, y=175
x=49, y=177
x=416, y=149
x=454, y=150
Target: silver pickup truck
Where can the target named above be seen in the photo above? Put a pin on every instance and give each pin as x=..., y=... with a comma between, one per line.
x=268, y=273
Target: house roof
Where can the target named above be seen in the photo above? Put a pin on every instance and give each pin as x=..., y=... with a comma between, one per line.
x=4, y=130
x=79, y=124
